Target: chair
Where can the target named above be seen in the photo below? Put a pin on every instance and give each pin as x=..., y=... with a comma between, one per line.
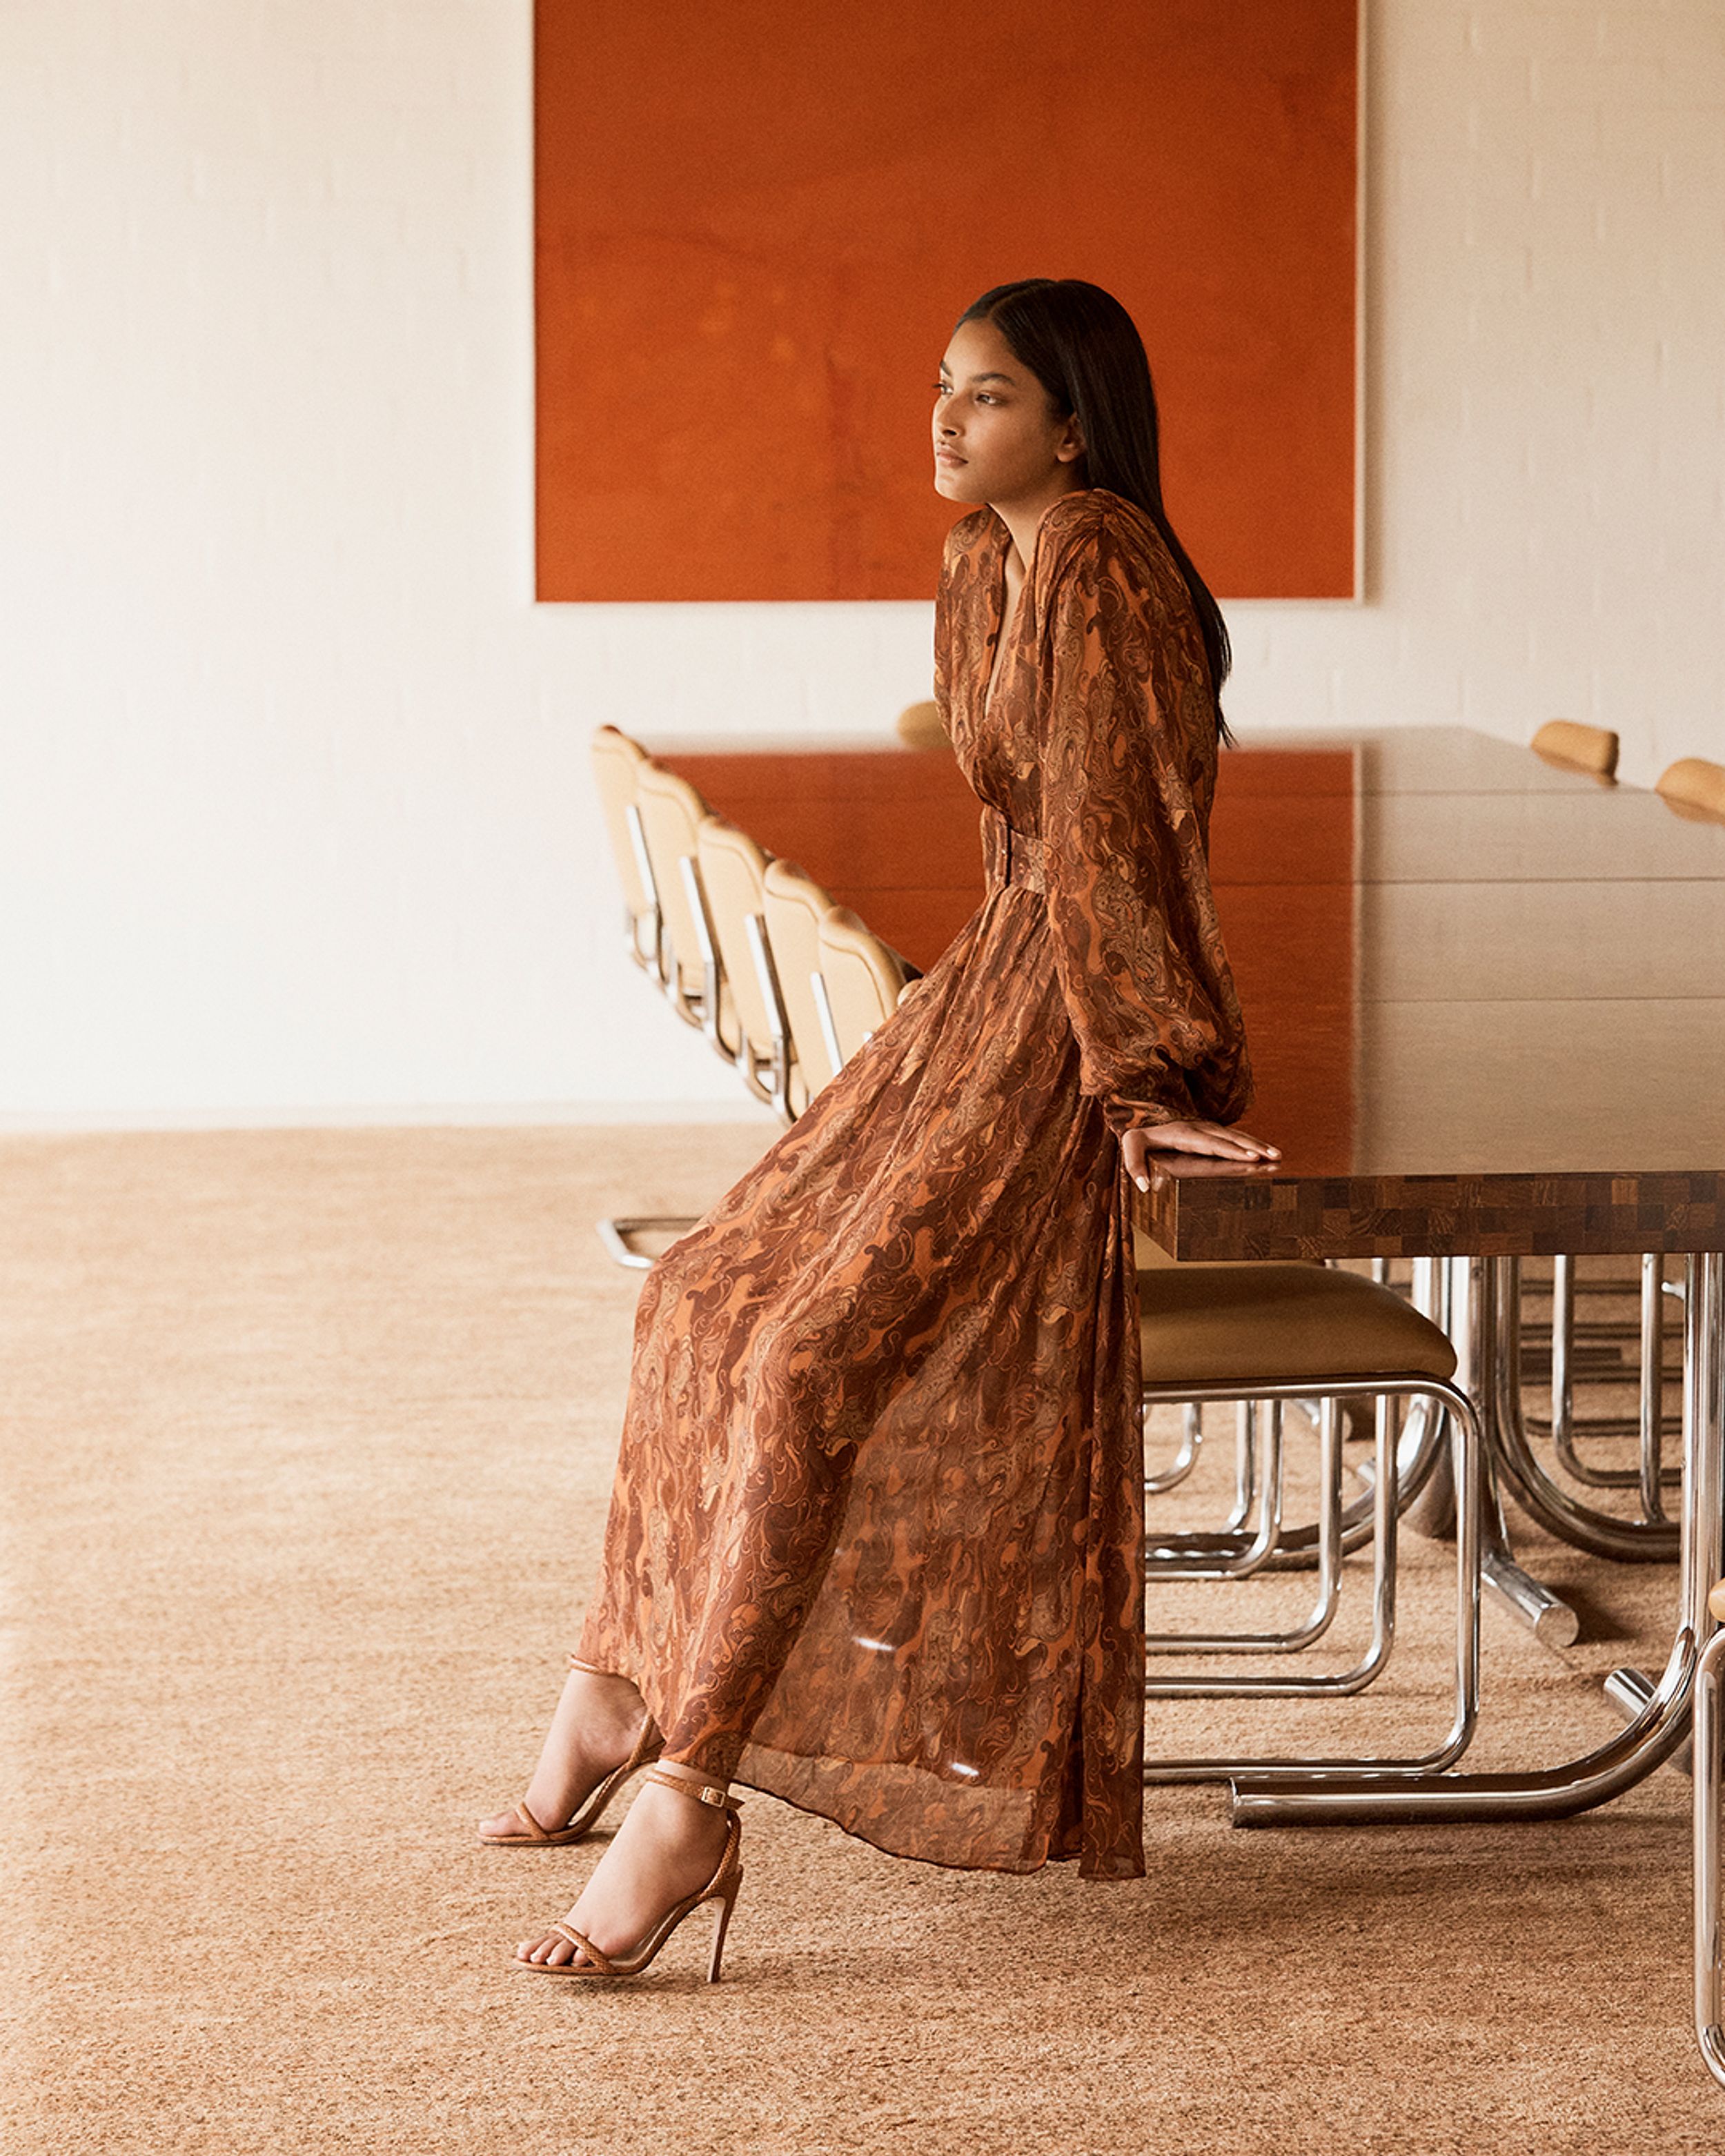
x=1589, y=1352
x=648, y=814
x=618, y=763
x=670, y=812
x=1709, y=1825
x=1693, y=787
x=919, y=726
x=733, y=879
x=1264, y=1335
x=1583, y=748
x=796, y=905
x=858, y=981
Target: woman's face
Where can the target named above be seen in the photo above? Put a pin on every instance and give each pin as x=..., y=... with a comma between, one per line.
x=997, y=436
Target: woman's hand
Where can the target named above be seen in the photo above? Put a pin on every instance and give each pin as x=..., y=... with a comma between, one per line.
x=1215, y=1139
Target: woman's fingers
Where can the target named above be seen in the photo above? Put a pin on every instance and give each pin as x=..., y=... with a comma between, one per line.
x=1214, y=1139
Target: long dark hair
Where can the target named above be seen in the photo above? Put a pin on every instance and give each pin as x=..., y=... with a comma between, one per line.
x=1085, y=349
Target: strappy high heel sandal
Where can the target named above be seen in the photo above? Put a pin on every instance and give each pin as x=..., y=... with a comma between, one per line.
x=722, y=1889
x=648, y=1744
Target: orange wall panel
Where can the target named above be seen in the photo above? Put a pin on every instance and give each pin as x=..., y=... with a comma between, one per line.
x=756, y=221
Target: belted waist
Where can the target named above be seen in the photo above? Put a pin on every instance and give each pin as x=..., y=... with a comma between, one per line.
x=1012, y=857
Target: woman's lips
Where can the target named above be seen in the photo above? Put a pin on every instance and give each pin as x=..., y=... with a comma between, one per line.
x=948, y=456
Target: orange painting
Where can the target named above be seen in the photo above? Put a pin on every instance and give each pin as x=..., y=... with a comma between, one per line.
x=757, y=222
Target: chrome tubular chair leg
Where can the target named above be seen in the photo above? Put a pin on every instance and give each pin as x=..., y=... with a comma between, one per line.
x=1329, y=1584
x=1185, y=1459
x=1565, y=1425
x=823, y=1011
x=1709, y=1827
x=654, y=958
x=1246, y=1467
x=1228, y=1557
x=1561, y=1514
x=712, y=969
x=1466, y=1439
x=767, y=974
x=1579, y=1784
x=1422, y=1458
x=616, y=1233
x=1184, y=1549
x=1338, y=1684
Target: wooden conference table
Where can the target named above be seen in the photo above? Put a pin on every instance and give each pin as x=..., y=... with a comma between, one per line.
x=1486, y=1001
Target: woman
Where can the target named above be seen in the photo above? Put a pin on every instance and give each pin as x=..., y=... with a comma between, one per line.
x=874, y=1540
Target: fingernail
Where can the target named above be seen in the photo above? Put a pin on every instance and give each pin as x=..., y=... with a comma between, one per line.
x=1142, y=1181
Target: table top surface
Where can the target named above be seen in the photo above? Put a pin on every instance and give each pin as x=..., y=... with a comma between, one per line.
x=1484, y=995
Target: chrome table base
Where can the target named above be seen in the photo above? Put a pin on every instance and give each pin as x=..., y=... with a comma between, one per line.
x=1661, y=1727
x=1709, y=1802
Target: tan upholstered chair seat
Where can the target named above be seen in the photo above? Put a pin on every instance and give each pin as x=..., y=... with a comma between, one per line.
x=1268, y=1324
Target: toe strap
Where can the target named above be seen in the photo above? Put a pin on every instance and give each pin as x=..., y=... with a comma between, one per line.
x=580, y=1939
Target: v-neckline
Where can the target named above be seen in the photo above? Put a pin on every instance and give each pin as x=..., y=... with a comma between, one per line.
x=1006, y=628
x=1009, y=614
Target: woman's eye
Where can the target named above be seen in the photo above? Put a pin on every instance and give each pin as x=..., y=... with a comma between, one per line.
x=942, y=390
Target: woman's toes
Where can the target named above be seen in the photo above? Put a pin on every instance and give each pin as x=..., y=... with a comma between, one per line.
x=550, y=1950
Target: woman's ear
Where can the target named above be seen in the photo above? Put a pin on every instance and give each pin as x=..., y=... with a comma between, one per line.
x=1071, y=446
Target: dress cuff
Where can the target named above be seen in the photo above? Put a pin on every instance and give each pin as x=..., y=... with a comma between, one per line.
x=1122, y=1113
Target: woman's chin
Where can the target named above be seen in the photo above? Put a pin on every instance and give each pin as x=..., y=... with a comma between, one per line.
x=954, y=485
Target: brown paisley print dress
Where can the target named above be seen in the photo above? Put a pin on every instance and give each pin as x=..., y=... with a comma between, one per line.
x=874, y=1541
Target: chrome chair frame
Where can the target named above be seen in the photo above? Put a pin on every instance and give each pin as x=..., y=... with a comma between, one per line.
x=1184, y=1461
x=824, y=1012
x=1212, y=1553
x=615, y=1233
x=785, y=1054
x=1538, y=1492
x=1466, y=1468
x=1329, y=1565
x=652, y=959
x=1649, y=1478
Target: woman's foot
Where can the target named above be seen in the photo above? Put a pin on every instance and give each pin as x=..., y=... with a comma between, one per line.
x=668, y=1848
x=593, y=1731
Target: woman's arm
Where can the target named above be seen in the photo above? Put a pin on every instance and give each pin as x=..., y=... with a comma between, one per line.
x=1136, y=946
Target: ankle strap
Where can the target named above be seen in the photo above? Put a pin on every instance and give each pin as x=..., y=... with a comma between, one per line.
x=704, y=1792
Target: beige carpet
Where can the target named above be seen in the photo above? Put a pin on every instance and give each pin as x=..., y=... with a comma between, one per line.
x=308, y=1441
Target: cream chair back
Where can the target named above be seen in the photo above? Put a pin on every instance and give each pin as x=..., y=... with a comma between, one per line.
x=919, y=726
x=1589, y=748
x=1693, y=786
x=733, y=876
x=617, y=762
x=671, y=812
x=796, y=905
x=860, y=977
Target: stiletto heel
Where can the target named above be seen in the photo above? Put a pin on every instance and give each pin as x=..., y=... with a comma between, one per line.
x=648, y=1746
x=721, y=1887
x=727, y=1905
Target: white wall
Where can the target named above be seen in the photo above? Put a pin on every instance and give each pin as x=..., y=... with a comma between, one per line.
x=293, y=814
